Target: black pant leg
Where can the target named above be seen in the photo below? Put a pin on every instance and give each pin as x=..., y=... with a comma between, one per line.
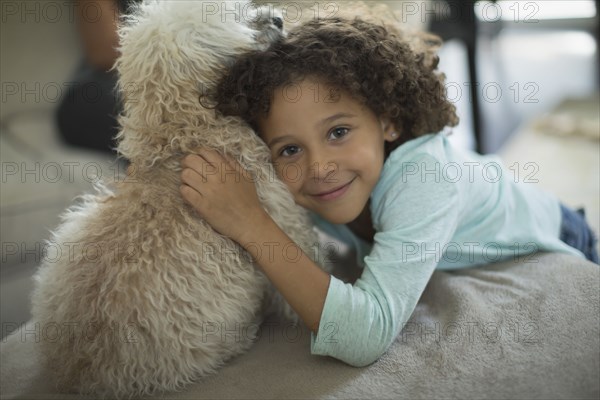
x=86, y=115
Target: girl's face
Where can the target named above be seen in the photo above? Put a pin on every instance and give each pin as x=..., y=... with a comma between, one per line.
x=326, y=147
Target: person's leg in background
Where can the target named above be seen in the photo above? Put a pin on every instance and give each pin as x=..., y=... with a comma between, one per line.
x=87, y=114
x=576, y=232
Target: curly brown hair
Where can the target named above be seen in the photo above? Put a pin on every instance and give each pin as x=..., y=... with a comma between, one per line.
x=374, y=63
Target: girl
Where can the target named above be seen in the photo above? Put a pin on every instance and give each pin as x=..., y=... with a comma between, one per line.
x=349, y=111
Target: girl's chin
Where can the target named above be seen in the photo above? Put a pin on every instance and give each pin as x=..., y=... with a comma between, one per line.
x=335, y=218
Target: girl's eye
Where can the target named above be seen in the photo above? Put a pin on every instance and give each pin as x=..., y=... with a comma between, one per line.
x=289, y=151
x=338, y=133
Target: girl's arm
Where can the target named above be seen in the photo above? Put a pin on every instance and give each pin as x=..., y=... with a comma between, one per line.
x=222, y=194
x=353, y=323
x=301, y=282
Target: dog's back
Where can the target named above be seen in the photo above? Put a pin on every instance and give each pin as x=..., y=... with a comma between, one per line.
x=150, y=297
x=147, y=296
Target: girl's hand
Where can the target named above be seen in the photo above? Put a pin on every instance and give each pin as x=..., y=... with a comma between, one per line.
x=222, y=193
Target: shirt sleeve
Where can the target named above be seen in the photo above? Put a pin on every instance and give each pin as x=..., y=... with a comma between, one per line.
x=414, y=219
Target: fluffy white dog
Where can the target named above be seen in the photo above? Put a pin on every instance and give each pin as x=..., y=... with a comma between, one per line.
x=151, y=297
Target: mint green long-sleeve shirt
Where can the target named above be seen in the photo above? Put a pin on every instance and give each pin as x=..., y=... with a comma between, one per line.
x=434, y=207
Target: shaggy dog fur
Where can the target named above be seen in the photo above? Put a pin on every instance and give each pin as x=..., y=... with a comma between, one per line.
x=150, y=297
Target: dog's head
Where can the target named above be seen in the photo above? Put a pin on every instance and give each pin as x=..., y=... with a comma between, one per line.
x=172, y=53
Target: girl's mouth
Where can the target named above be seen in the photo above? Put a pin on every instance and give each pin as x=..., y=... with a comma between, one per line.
x=335, y=193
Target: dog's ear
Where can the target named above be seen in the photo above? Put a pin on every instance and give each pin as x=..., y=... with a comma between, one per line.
x=171, y=52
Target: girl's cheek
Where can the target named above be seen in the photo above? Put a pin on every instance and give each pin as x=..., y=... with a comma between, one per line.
x=290, y=174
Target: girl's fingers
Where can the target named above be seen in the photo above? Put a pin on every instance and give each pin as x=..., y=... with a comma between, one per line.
x=208, y=165
x=192, y=178
x=190, y=195
x=212, y=157
x=208, y=162
x=194, y=162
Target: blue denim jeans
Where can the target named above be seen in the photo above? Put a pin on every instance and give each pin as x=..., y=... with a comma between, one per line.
x=575, y=232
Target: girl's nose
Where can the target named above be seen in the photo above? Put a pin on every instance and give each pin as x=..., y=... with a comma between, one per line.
x=322, y=167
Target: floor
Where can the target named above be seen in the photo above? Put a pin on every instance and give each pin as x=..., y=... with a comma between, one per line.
x=564, y=162
x=544, y=67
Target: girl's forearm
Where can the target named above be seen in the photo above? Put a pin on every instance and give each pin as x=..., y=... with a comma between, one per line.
x=301, y=282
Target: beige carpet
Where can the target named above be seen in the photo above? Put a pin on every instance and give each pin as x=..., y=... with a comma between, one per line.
x=520, y=329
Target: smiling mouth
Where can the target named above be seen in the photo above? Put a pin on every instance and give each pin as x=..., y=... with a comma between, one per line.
x=333, y=194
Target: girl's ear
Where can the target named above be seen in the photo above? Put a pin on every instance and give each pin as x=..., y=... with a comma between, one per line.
x=390, y=133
